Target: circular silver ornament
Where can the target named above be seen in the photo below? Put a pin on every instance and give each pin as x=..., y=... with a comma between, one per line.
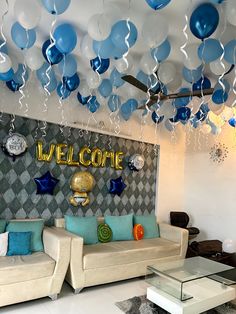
x=15, y=144
x=136, y=162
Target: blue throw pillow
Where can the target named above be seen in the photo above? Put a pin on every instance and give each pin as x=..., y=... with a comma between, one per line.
x=35, y=226
x=121, y=226
x=19, y=243
x=149, y=223
x=2, y=225
x=85, y=227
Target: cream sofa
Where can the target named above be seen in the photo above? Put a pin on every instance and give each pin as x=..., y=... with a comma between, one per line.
x=41, y=274
x=101, y=263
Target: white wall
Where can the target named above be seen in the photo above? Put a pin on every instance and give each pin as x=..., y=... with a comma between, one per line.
x=171, y=170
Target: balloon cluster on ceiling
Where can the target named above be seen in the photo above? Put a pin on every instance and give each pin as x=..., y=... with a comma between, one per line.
x=109, y=41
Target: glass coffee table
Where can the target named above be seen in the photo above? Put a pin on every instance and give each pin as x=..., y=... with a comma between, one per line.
x=191, y=285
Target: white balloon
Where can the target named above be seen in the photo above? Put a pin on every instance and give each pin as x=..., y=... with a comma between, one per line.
x=28, y=13
x=84, y=89
x=34, y=58
x=86, y=47
x=113, y=11
x=93, y=79
x=231, y=11
x=195, y=104
x=166, y=72
x=173, y=85
x=191, y=60
x=5, y=63
x=167, y=109
x=218, y=68
x=229, y=246
x=147, y=64
x=124, y=65
x=99, y=26
x=206, y=129
x=155, y=30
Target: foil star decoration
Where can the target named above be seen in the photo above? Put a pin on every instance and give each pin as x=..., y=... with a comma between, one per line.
x=46, y=183
x=117, y=186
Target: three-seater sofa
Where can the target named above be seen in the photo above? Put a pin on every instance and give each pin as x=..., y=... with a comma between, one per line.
x=102, y=263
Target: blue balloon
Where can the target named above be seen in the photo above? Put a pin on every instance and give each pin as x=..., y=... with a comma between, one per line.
x=46, y=183
x=192, y=76
x=161, y=52
x=104, y=49
x=13, y=86
x=65, y=38
x=195, y=122
x=99, y=65
x=105, y=88
x=232, y=122
x=3, y=48
x=184, y=101
x=68, y=66
x=216, y=1
x=204, y=20
x=230, y=52
x=62, y=91
x=201, y=84
x=21, y=74
x=114, y=102
x=7, y=76
x=219, y=96
x=82, y=99
x=157, y=4
x=156, y=118
x=51, y=85
x=116, y=79
x=202, y=113
x=56, y=6
x=128, y=107
x=45, y=74
x=72, y=83
x=210, y=50
x=117, y=186
x=51, y=54
x=224, y=83
x=22, y=38
x=183, y=114
x=124, y=34
x=149, y=80
x=93, y=105
x=118, y=52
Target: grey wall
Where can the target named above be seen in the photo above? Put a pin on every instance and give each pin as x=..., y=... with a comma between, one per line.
x=18, y=198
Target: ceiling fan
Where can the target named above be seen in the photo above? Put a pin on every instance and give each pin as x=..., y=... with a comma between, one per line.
x=159, y=96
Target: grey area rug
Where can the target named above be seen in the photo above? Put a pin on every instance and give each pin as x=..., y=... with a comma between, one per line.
x=140, y=305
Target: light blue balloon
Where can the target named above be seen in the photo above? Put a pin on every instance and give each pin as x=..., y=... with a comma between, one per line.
x=105, y=88
x=184, y=101
x=50, y=86
x=192, y=76
x=157, y=4
x=21, y=74
x=114, y=102
x=116, y=79
x=118, y=52
x=56, y=6
x=225, y=83
x=124, y=34
x=129, y=106
x=68, y=66
x=149, y=80
x=3, y=48
x=7, y=76
x=105, y=48
x=65, y=38
x=219, y=96
x=22, y=38
x=62, y=92
x=210, y=50
x=93, y=105
x=161, y=52
x=46, y=74
x=230, y=52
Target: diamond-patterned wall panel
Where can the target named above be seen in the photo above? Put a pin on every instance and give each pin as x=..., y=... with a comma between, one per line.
x=18, y=198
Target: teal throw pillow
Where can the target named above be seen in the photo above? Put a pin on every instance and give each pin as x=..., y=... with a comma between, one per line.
x=2, y=225
x=35, y=226
x=149, y=223
x=19, y=243
x=85, y=227
x=121, y=226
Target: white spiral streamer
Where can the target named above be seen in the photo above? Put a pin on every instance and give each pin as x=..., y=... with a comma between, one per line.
x=2, y=33
x=12, y=124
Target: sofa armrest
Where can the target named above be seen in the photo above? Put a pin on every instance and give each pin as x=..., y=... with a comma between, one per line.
x=57, y=246
x=175, y=234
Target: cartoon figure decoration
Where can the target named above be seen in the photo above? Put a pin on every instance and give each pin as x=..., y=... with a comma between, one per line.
x=81, y=183
x=136, y=162
x=117, y=186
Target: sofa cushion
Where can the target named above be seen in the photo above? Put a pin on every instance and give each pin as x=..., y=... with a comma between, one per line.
x=124, y=252
x=22, y=268
x=150, y=226
x=121, y=226
x=19, y=243
x=2, y=225
x=3, y=243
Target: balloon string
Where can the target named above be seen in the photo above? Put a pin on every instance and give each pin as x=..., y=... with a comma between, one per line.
x=43, y=129
x=2, y=33
x=12, y=124
x=182, y=48
x=234, y=82
x=37, y=130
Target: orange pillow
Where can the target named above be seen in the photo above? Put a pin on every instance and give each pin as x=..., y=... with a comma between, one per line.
x=138, y=232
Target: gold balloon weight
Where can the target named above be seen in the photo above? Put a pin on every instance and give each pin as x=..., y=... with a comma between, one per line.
x=81, y=183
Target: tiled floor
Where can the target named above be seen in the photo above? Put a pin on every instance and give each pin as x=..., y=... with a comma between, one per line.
x=99, y=300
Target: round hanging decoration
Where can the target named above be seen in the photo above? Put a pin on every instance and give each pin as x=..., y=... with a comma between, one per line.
x=14, y=145
x=136, y=162
x=138, y=232
x=219, y=152
x=104, y=233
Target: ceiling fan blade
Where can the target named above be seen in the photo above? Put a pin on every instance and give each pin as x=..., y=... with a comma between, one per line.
x=197, y=93
x=135, y=82
x=149, y=103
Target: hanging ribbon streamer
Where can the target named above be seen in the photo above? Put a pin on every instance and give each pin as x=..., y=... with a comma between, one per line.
x=43, y=129
x=234, y=82
x=36, y=135
x=12, y=124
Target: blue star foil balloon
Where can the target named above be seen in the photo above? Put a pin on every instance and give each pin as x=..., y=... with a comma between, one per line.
x=117, y=186
x=46, y=183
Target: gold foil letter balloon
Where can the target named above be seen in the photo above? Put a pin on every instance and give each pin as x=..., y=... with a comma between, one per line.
x=81, y=183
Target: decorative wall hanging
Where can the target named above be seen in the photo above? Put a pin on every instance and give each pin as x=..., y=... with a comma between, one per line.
x=14, y=145
x=219, y=152
x=46, y=183
x=136, y=162
x=81, y=183
x=117, y=186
